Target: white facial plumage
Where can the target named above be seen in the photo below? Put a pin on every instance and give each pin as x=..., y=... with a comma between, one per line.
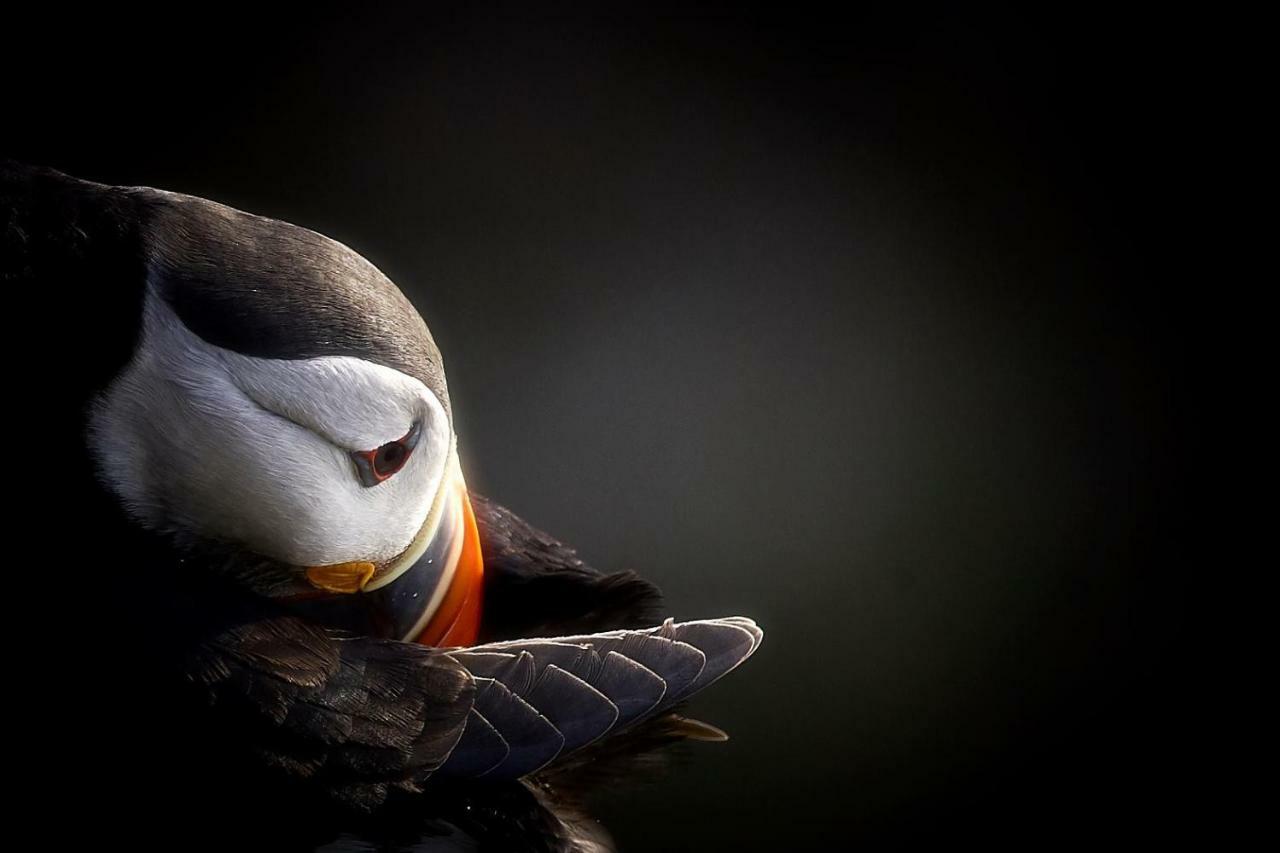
x=201, y=441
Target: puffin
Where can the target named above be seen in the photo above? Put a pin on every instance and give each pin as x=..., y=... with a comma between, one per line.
x=267, y=546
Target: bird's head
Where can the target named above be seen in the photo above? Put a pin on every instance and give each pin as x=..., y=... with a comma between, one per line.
x=285, y=406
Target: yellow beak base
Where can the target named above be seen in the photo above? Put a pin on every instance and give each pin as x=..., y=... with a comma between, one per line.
x=341, y=577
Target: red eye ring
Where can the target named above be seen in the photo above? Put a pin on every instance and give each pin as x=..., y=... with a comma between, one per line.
x=379, y=464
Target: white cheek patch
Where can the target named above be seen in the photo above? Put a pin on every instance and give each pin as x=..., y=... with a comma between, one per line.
x=199, y=440
x=355, y=404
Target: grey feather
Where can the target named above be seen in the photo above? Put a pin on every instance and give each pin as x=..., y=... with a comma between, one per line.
x=725, y=645
x=581, y=712
x=677, y=663
x=633, y=687
x=480, y=750
x=533, y=740
x=516, y=670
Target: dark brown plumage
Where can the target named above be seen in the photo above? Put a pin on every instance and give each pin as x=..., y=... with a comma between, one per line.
x=360, y=716
x=170, y=664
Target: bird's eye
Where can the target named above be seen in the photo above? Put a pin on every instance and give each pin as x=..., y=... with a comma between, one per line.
x=374, y=466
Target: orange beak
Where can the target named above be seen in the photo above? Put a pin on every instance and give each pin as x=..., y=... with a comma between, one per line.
x=456, y=621
x=432, y=595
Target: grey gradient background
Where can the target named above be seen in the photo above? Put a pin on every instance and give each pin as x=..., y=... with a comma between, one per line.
x=857, y=326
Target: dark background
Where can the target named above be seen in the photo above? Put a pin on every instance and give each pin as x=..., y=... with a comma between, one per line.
x=866, y=327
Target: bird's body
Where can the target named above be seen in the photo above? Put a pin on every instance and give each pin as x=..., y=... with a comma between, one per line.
x=273, y=540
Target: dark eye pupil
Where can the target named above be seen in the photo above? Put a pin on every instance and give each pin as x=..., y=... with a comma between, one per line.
x=389, y=458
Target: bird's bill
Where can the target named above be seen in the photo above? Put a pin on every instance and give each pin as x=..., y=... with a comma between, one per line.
x=430, y=594
x=341, y=577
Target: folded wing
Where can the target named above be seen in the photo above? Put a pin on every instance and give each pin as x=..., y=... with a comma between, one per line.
x=545, y=698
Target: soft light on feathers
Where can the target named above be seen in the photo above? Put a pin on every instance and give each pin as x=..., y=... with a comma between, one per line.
x=205, y=442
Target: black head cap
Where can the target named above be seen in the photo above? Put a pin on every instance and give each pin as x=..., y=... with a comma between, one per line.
x=269, y=289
